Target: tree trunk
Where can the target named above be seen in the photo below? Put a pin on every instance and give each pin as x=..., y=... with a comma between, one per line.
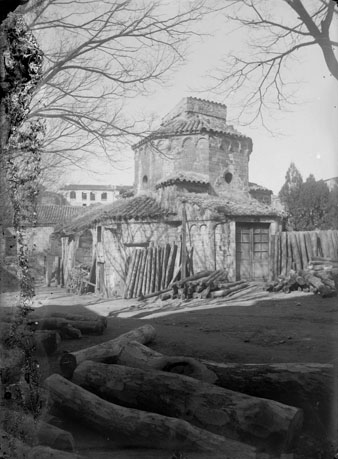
x=59, y=323
x=309, y=386
x=224, y=412
x=80, y=317
x=11, y=363
x=138, y=428
x=12, y=447
x=316, y=283
x=35, y=432
x=133, y=354
x=46, y=341
x=106, y=351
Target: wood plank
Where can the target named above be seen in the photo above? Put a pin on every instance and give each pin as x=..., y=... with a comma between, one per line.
x=131, y=265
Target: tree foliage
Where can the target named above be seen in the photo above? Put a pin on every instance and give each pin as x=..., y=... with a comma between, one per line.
x=98, y=56
x=277, y=38
x=310, y=204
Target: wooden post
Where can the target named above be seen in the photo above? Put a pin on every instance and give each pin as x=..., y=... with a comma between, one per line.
x=184, y=241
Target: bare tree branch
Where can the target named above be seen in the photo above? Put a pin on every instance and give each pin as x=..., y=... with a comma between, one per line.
x=276, y=38
x=97, y=56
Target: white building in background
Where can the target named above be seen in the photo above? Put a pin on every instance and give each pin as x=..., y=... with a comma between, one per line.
x=85, y=195
x=331, y=182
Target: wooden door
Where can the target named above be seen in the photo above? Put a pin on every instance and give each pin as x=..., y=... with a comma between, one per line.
x=252, y=251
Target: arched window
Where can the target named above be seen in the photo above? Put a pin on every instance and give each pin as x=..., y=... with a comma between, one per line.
x=228, y=177
x=103, y=196
x=92, y=196
x=72, y=195
x=145, y=180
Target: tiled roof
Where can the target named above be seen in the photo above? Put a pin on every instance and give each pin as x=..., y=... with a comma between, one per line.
x=48, y=215
x=256, y=187
x=84, y=187
x=140, y=207
x=51, y=215
x=232, y=207
x=192, y=177
x=192, y=124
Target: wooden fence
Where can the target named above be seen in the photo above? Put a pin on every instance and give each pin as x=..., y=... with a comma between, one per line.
x=153, y=269
x=294, y=249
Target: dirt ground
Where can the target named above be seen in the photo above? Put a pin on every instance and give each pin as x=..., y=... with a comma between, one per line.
x=284, y=328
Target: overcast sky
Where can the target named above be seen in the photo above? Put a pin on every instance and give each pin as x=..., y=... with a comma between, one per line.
x=308, y=135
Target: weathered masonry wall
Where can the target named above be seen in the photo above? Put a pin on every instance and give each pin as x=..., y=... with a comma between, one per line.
x=118, y=242
x=160, y=158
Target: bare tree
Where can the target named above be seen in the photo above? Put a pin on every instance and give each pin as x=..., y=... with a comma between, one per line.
x=98, y=56
x=277, y=34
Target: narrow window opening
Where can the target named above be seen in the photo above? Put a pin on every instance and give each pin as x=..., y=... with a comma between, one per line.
x=228, y=177
x=92, y=196
x=103, y=196
x=145, y=180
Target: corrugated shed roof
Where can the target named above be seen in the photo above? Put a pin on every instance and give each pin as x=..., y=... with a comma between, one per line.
x=192, y=124
x=177, y=177
x=232, y=207
x=140, y=207
x=256, y=187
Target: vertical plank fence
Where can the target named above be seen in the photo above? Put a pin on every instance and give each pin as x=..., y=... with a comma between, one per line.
x=153, y=269
x=294, y=249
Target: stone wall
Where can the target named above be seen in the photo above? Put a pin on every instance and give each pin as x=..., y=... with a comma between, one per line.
x=115, y=249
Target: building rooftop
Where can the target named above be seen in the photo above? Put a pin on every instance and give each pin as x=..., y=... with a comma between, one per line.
x=80, y=187
x=180, y=177
x=49, y=215
x=193, y=116
x=256, y=187
x=140, y=207
x=232, y=207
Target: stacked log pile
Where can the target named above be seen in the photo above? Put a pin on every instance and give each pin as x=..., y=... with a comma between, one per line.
x=140, y=397
x=320, y=277
x=207, y=284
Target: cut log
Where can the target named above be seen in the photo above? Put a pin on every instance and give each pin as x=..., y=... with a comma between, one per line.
x=145, y=276
x=295, y=250
x=224, y=412
x=170, y=267
x=35, y=432
x=12, y=447
x=133, y=282
x=130, y=264
x=309, y=386
x=11, y=363
x=106, y=351
x=46, y=341
x=136, y=355
x=80, y=317
x=316, y=283
x=138, y=428
x=58, y=323
x=227, y=291
x=283, y=253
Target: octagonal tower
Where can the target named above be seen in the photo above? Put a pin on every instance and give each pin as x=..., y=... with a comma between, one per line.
x=194, y=147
